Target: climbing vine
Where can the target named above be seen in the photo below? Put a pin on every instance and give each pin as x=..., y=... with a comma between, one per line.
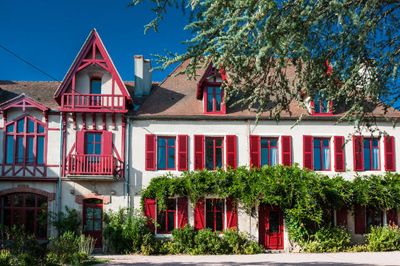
x=306, y=197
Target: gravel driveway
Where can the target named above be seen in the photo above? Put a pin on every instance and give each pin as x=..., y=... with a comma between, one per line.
x=284, y=259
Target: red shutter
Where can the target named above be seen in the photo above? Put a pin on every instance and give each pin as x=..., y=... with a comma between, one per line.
x=255, y=147
x=182, y=212
x=338, y=142
x=359, y=219
x=307, y=152
x=390, y=162
x=198, y=152
x=182, y=152
x=150, y=144
x=358, y=153
x=106, y=143
x=231, y=160
x=392, y=217
x=150, y=212
x=231, y=213
x=199, y=215
x=286, y=150
x=80, y=142
x=341, y=217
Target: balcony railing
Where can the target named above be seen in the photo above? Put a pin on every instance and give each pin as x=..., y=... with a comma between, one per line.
x=92, y=102
x=92, y=165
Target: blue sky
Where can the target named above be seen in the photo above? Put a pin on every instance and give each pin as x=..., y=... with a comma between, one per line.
x=49, y=33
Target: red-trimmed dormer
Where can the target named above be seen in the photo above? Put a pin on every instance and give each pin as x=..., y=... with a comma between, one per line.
x=210, y=90
x=321, y=107
x=92, y=84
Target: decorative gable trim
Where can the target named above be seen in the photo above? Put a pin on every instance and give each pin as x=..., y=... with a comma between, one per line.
x=94, y=42
x=23, y=101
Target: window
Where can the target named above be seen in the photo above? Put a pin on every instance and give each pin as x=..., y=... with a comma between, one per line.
x=26, y=210
x=93, y=143
x=269, y=151
x=25, y=142
x=166, y=218
x=321, y=105
x=95, y=86
x=374, y=217
x=214, y=151
x=166, y=153
x=215, y=212
x=214, y=98
x=321, y=154
x=371, y=154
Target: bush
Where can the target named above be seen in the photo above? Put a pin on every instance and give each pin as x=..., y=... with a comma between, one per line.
x=183, y=240
x=241, y=243
x=208, y=242
x=383, y=238
x=5, y=257
x=68, y=221
x=124, y=231
x=328, y=239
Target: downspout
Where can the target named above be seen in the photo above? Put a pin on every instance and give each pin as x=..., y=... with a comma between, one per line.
x=128, y=162
x=59, y=189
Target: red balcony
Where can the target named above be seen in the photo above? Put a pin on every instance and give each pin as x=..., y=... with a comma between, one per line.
x=88, y=165
x=92, y=103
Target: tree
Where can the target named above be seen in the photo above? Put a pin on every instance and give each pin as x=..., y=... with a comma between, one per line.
x=345, y=50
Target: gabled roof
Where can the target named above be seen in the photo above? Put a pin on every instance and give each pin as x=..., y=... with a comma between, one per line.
x=22, y=101
x=93, y=41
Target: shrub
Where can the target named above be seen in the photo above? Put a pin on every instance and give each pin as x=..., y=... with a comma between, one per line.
x=150, y=245
x=183, y=240
x=63, y=248
x=328, y=239
x=5, y=257
x=208, y=242
x=383, y=238
x=86, y=245
x=67, y=221
x=124, y=231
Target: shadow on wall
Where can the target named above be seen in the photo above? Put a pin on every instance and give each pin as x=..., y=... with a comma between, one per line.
x=137, y=182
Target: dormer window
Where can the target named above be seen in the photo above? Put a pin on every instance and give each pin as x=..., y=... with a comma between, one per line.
x=214, y=99
x=321, y=106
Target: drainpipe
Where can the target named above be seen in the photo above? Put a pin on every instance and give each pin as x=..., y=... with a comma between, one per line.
x=128, y=162
x=59, y=209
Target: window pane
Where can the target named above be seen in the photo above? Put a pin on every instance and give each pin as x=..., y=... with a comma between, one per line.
x=210, y=220
x=20, y=125
x=31, y=126
x=10, y=128
x=274, y=156
x=29, y=150
x=95, y=86
x=10, y=150
x=218, y=158
x=171, y=221
x=264, y=151
x=40, y=149
x=317, y=154
x=209, y=154
x=171, y=153
x=218, y=99
x=97, y=148
x=210, y=96
x=40, y=129
x=161, y=150
x=219, y=205
x=375, y=158
x=367, y=155
x=273, y=222
x=326, y=158
x=219, y=221
x=20, y=149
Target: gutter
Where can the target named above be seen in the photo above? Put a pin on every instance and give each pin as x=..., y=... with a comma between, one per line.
x=127, y=163
x=59, y=181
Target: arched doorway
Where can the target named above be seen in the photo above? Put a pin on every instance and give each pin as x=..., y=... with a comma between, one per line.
x=93, y=219
x=28, y=210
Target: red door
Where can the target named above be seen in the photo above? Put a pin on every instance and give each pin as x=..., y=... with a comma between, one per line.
x=93, y=220
x=271, y=227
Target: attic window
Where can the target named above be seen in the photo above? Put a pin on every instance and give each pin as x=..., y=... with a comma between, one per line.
x=95, y=86
x=321, y=106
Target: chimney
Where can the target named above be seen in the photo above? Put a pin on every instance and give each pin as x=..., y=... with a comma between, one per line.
x=142, y=76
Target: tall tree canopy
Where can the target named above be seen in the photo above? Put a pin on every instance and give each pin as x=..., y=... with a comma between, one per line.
x=254, y=41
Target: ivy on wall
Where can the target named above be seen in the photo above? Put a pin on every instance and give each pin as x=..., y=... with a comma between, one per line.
x=306, y=197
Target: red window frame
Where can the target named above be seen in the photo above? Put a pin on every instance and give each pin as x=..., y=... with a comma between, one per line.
x=167, y=211
x=22, y=209
x=371, y=146
x=25, y=135
x=321, y=154
x=214, y=99
x=269, y=146
x=166, y=152
x=94, y=143
x=214, y=148
x=214, y=212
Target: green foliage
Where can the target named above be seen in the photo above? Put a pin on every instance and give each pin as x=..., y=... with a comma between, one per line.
x=183, y=240
x=383, y=238
x=5, y=257
x=307, y=198
x=328, y=239
x=208, y=242
x=68, y=221
x=124, y=231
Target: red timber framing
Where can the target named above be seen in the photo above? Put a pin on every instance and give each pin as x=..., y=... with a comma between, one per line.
x=73, y=101
x=23, y=132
